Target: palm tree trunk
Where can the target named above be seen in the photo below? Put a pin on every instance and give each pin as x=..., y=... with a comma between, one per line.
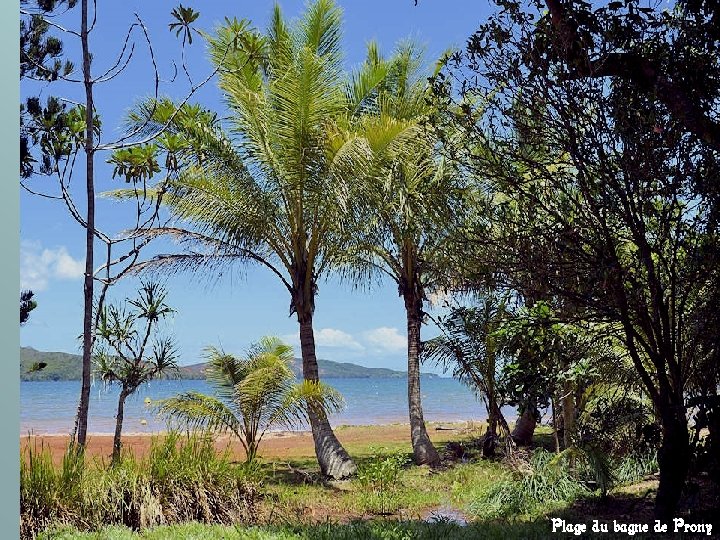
x=117, y=443
x=424, y=452
x=333, y=459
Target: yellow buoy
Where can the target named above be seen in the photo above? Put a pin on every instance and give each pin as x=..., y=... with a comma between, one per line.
x=148, y=401
x=143, y=422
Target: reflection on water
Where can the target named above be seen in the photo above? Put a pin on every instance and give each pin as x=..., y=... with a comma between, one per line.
x=50, y=407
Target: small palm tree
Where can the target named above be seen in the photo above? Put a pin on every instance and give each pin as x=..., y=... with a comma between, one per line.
x=123, y=352
x=254, y=394
x=468, y=346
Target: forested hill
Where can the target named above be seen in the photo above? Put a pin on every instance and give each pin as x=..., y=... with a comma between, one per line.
x=66, y=367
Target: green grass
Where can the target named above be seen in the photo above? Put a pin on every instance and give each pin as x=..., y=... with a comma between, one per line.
x=182, y=479
x=295, y=489
x=295, y=502
x=366, y=530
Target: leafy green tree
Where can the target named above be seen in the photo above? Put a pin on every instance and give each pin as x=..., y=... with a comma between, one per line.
x=615, y=220
x=124, y=353
x=254, y=393
x=278, y=192
x=55, y=136
x=667, y=53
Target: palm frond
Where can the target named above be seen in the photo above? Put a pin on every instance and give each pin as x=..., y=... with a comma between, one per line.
x=197, y=410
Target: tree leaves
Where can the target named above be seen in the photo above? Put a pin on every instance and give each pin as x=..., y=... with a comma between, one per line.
x=184, y=17
x=255, y=392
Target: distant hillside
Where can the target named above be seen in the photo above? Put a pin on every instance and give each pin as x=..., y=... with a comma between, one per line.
x=67, y=367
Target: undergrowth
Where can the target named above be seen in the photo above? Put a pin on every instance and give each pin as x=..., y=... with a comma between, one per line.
x=182, y=479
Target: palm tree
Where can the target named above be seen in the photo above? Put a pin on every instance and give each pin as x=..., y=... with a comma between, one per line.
x=469, y=346
x=274, y=189
x=254, y=394
x=410, y=199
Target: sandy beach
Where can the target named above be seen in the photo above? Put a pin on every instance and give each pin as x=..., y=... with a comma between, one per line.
x=276, y=445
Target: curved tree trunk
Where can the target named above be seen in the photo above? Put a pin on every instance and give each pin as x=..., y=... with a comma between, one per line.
x=333, y=459
x=424, y=453
x=524, y=429
x=117, y=443
x=489, y=441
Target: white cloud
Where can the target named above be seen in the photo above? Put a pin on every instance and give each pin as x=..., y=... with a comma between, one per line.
x=291, y=339
x=386, y=339
x=327, y=337
x=39, y=265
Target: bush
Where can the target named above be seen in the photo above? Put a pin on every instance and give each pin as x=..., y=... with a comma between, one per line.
x=539, y=482
x=47, y=494
x=182, y=479
x=379, y=476
x=636, y=466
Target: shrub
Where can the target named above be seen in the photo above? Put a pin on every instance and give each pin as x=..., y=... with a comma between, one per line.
x=182, y=479
x=48, y=494
x=540, y=481
x=379, y=477
x=636, y=466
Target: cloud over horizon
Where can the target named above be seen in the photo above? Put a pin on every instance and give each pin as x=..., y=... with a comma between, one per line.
x=386, y=339
x=38, y=265
x=328, y=337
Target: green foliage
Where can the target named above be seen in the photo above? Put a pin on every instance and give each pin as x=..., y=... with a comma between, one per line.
x=254, y=393
x=635, y=467
x=184, y=17
x=122, y=347
x=48, y=494
x=138, y=163
x=41, y=55
x=27, y=304
x=123, y=353
x=543, y=480
x=356, y=530
x=379, y=477
x=182, y=479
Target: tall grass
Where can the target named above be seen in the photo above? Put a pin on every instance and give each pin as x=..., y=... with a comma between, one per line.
x=182, y=479
x=636, y=467
x=539, y=483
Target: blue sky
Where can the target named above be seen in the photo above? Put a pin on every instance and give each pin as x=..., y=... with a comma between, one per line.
x=362, y=326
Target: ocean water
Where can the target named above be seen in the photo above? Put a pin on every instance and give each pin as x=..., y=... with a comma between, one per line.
x=50, y=407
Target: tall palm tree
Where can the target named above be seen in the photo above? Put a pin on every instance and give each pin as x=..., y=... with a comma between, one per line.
x=410, y=201
x=253, y=394
x=274, y=189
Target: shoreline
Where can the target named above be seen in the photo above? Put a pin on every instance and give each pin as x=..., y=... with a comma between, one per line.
x=305, y=429
x=275, y=445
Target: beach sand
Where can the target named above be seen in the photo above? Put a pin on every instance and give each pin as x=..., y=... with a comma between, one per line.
x=276, y=445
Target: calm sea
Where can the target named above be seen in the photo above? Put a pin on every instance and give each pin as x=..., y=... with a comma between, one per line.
x=50, y=407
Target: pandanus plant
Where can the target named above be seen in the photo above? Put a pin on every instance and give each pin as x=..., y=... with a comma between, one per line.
x=253, y=394
x=124, y=352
